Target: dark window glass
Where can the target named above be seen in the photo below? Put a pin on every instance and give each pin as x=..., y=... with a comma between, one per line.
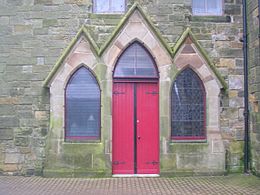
x=109, y=6
x=207, y=7
x=82, y=106
x=188, y=106
x=135, y=62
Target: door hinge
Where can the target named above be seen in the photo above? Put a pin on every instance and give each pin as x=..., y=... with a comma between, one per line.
x=117, y=92
x=153, y=162
x=117, y=163
x=152, y=93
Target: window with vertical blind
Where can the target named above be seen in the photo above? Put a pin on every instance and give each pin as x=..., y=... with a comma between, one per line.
x=82, y=107
x=207, y=7
x=188, y=107
x=109, y=6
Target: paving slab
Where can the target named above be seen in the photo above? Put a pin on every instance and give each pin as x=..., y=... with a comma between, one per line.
x=235, y=185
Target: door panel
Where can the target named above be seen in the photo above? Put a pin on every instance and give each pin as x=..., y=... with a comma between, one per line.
x=135, y=128
x=123, y=127
x=147, y=128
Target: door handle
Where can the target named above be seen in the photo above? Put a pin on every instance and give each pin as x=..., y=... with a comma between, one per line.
x=138, y=137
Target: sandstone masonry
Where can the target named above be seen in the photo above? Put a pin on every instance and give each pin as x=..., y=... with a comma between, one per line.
x=35, y=33
x=254, y=86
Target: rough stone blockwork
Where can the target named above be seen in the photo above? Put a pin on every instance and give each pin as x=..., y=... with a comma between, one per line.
x=254, y=83
x=33, y=34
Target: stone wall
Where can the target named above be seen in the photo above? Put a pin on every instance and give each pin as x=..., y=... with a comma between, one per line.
x=254, y=86
x=34, y=33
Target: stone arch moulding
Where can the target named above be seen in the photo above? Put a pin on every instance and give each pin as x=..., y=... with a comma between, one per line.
x=147, y=53
x=91, y=88
x=143, y=35
x=202, y=134
x=78, y=54
x=188, y=53
x=125, y=33
x=84, y=50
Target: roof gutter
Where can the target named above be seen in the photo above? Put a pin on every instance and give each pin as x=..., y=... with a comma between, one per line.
x=246, y=110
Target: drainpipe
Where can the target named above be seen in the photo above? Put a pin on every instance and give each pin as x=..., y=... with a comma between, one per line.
x=259, y=21
x=246, y=110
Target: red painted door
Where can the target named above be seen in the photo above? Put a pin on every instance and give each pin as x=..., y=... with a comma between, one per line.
x=135, y=128
x=123, y=129
x=147, y=128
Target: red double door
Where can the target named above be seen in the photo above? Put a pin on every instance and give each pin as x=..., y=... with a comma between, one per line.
x=135, y=128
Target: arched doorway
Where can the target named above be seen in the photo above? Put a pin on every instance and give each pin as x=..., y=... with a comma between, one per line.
x=135, y=113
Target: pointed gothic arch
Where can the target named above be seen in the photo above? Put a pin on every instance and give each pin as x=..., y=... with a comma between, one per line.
x=188, y=107
x=82, y=106
x=135, y=62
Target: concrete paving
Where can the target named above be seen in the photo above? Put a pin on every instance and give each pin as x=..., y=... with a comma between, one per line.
x=234, y=184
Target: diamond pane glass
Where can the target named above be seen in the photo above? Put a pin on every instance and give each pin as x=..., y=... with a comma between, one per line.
x=82, y=106
x=188, y=102
x=135, y=62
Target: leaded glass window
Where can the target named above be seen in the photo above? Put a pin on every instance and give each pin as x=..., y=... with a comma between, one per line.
x=135, y=62
x=188, y=107
x=207, y=7
x=82, y=106
x=109, y=6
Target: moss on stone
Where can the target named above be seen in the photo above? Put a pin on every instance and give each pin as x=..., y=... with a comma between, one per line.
x=236, y=147
x=99, y=51
x=80, y=172
x=235, y=157
x=186, y=148
x=181, y=40
x=82, y=32
x=164, y=126
x=77, y=160
x=100, y=70
x=135, y=6
x=168, y=163
x=82, y=148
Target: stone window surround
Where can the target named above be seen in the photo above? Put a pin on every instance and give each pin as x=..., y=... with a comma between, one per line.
x=212, y=89
x=80, y=56
x=149, y=56
x=79, y=138
x=202, y=137
x=82, y=53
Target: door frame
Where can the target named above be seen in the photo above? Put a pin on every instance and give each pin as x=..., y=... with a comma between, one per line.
x=135, y=81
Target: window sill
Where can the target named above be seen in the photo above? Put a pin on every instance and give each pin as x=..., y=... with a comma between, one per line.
x=210, y=18
x=113, y=15
x=204, y=141
x=68, y=142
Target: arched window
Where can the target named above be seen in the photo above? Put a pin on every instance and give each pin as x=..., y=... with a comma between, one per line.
x=135, y=62
x=188, y=107
x=82, y=107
